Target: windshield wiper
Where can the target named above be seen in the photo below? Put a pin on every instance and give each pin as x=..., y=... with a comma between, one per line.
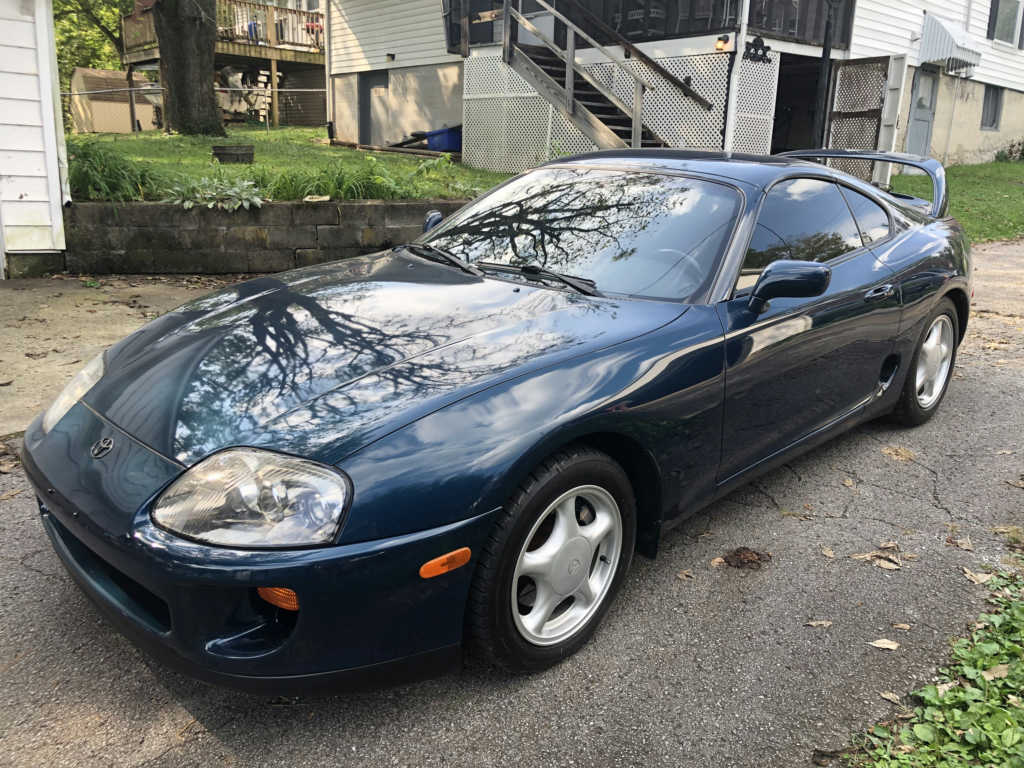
x=434, y=253
x=580, y=284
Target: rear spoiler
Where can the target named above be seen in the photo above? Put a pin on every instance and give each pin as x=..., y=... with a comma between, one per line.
x=931, y=166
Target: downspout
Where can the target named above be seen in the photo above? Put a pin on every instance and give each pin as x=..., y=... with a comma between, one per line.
x=952, y=112
x=734, y=77
x=328, y=85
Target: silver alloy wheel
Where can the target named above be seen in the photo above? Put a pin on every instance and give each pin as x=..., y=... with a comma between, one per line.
x=566, y=565
x=933, y=361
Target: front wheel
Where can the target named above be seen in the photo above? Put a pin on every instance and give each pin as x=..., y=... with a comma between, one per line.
x=931, y=367
x=554, y=562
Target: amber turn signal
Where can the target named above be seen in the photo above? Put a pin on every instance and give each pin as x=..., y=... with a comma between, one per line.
x=445, y=563
x=280, y=596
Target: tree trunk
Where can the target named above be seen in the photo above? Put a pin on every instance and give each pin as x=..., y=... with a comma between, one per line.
x=186, y=31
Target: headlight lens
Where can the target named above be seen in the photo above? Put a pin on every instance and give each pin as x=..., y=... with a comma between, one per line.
x=251, y=498
x=73, y=392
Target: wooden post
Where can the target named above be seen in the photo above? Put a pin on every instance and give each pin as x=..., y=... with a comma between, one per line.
x=570, y=72
x=272, y=42
x=131, y=96
x=273, y=93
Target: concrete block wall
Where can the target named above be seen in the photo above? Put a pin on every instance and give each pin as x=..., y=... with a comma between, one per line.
x=160, y=238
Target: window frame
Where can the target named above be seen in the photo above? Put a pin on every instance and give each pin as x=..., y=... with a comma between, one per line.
x=999, y=92
x=733, y=272
x=1016, y=37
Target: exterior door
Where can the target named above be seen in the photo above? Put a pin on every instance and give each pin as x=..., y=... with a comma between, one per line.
x=805, y=363
x=922, y=112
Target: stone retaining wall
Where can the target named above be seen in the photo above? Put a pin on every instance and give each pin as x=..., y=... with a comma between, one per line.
x=159, y=238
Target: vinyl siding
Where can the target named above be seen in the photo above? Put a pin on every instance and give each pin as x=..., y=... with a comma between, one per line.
x=29, y=175
x=885, y=27
x=363, y=32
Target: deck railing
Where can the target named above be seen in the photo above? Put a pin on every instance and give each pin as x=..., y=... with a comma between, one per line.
x=240, y=21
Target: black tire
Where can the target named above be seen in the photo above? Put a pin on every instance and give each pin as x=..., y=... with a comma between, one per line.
x=909, y=411
x=491, y=630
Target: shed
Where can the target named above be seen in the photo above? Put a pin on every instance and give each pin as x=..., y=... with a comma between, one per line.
x=33, y=160
x=100, y=102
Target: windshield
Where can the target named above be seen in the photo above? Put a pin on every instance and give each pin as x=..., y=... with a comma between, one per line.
x=630, y=232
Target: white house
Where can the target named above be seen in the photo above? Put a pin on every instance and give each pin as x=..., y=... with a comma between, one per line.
x=941, y=78
x=33, y=166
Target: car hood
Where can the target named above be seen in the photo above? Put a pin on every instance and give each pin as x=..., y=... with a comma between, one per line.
x=320, y=361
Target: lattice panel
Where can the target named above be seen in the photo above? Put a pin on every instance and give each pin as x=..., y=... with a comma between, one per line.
x=508, y=134
x=508, y=127
x=755, y=105
x=860, y=85
x=489, y=75
x=678, y=120
x=859, y=92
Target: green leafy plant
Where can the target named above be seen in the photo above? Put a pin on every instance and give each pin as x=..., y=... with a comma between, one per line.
x=97, y=171
x=213, y=192
x=974, y=715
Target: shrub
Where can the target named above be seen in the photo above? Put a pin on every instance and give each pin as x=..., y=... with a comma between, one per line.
x=226, y=194
x=97, y=171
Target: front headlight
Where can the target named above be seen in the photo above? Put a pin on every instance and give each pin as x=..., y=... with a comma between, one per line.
x=73, y=392
x=251, y=498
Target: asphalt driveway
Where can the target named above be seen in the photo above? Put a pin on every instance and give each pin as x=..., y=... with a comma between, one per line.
x=696, y=664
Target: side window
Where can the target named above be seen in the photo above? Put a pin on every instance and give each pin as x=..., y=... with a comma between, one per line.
x=870, y=216
x=803, y=219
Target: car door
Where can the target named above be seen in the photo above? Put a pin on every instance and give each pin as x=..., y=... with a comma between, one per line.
x=805, y=362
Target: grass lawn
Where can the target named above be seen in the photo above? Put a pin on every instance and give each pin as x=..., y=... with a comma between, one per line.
x=987, y=199
x=289, y=163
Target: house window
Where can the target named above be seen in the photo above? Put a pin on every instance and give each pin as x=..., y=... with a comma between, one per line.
x=992, y=108
x=1003, y=17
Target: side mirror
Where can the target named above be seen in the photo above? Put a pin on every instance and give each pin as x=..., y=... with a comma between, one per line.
x=431, y=220
x=789, y=279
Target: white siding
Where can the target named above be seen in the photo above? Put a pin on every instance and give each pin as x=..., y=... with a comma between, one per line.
x=363, y=32
x=886, y=27
x=30, y=192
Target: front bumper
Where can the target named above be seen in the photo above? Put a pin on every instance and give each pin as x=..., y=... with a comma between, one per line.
x=366, y=618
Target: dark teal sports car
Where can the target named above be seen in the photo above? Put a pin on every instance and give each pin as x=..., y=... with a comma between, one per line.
x=351, y=471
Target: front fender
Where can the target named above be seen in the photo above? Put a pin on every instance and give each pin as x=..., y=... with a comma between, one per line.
x=662, y=391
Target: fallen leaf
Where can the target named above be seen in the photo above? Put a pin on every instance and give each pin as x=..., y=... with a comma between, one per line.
x=687, y=574
x=889, y=545
x=6, y=383
x=998, y=672
x=964, y=543
x=1018, y=483
x=316, y=198
x=977, y=578
x=6, y=467
x=886, y=563
x=828, y=552
x=884, y=560
x=10, y=494
x=884, y=644
x=942, y=688
x=744, y=557
x=890, y=696
x=848, y=482
x=1003, y=453
x=1015, y=700
x=824, y=623
x=910, y=556
x=717, y=562
x=898, y=453
x=904, y=627
x=862, y=555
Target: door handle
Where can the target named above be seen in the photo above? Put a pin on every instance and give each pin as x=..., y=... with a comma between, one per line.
x=880, y=292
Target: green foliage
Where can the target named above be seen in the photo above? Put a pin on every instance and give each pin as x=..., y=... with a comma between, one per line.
x=289, y=166
x=96, y=171
x=987, y=199
x=215, y=192
x=1013, y=152
x=974, y=715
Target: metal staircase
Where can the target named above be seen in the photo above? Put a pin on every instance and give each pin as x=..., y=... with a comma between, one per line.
x=556, y=74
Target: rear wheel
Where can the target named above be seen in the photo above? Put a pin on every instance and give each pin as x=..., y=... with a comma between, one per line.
x=554, y=562
x=931, y=367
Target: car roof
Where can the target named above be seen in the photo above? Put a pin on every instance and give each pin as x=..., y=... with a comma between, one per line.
x=759, y=170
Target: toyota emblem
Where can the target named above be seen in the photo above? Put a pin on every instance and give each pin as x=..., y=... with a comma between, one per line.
x=101, y=448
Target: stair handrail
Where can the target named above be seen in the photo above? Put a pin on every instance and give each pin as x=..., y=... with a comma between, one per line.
x=568, y=55
x=634, y=52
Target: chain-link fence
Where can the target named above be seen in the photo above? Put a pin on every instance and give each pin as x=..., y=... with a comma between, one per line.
x=141, y=108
